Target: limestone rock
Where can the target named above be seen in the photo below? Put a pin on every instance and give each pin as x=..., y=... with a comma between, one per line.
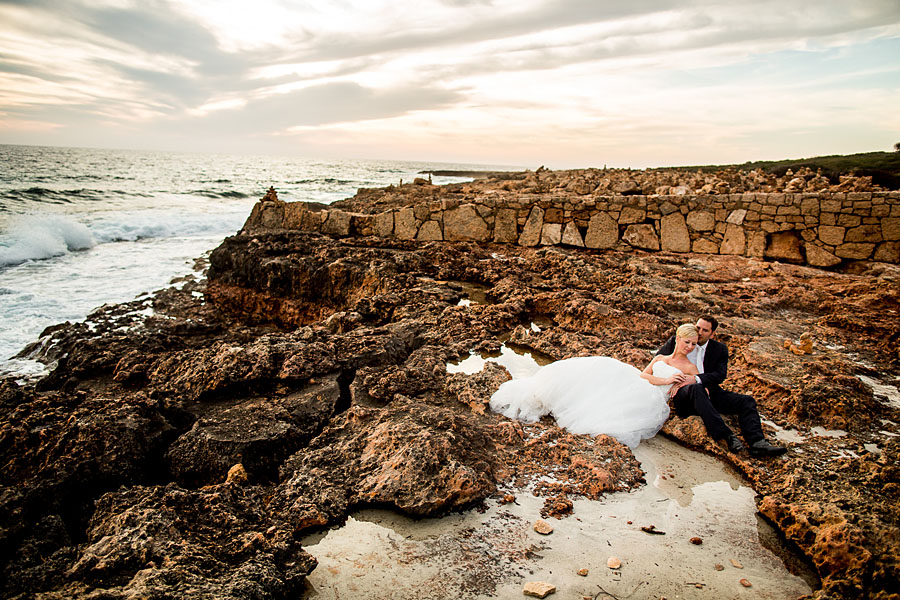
x=384, y=224
x=465, y=224
x=856, y=251
x=531, y=232
x=629, y=186
x=405, y=224
x=887, y=252
x=784, y=246
x=864, y=233
x=505, y=227
x=543, y=527
x=632, y=214
x=832, y=235
x=819, y=257
x=674, y=233
x=756, y=244
x=736, y=217
x=539, y=589
x=735, y=240
x=337, y=222
x=603, y=232
x=551, y=234
x=571, y=236
x=890, y=229
x=705, y=246
x=430, y=231
x=641, y=236
x=237, y=474
x=701, y=220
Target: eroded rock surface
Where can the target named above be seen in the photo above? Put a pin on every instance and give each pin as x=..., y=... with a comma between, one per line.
x=186, y=451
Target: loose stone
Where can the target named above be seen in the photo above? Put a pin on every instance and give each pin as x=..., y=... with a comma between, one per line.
x=613, y=563
x=746, y=583
x=543, y=527
x=539, y=589
x=696, y=541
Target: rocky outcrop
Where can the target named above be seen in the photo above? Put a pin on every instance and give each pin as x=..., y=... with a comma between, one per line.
x=184, y=450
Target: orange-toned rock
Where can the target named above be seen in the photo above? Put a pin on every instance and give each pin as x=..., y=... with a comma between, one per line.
x=543, y=527
x=539, y=589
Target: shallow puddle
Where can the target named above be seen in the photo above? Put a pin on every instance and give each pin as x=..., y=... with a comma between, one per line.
x=520, y=362
x=492, y=553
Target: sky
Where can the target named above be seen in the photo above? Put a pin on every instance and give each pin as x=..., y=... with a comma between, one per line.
x=559, y=83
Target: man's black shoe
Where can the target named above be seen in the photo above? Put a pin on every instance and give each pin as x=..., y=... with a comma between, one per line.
x=734, y=443
x=764, y=448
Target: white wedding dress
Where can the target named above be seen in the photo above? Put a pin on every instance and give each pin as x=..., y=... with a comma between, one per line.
x=592, y=395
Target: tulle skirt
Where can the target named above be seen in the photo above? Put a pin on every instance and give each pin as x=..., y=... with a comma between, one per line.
x=589, y=395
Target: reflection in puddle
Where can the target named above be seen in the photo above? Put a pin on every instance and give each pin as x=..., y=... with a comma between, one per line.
x=782, y=434
x=887, y=393
x=517, y=360
x=475, y=293
x=832, y=433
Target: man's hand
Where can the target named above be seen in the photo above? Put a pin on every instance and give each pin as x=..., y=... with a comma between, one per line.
x=678, y=382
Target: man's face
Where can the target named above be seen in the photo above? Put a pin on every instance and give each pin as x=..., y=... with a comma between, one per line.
x=704, y=328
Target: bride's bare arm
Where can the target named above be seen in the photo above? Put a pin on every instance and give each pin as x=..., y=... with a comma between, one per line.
x=647, y=374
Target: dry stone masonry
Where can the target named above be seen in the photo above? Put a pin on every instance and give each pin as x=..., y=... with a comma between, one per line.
x=821, y=228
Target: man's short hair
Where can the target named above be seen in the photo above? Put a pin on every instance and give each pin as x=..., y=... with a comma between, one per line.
x=713, y=322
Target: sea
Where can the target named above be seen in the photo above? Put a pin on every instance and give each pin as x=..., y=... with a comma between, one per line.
x=80, y=228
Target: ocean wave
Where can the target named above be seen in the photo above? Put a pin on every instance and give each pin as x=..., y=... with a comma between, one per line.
x=133, y=226
x=218, y=194
x=52, y=196
x=324, y=180
x=37, y=237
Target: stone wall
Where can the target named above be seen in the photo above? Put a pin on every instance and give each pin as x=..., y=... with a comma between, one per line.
x=820, y=229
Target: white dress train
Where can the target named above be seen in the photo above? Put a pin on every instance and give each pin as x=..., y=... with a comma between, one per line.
x=591, y=395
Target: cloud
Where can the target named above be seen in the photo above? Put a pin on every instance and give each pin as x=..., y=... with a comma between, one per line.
x=567, y=72
x=321, y=105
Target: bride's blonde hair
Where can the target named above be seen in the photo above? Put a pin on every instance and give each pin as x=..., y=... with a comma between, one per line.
x=687, y=330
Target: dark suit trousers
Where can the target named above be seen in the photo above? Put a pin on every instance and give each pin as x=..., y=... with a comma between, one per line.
x=694, y=400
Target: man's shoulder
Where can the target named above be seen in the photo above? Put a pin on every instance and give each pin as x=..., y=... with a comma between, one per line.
x=717, y=346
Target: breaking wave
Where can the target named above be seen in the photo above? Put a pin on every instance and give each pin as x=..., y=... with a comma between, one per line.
x=37, y=237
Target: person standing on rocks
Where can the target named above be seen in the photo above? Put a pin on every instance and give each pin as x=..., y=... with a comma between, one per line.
x=707, y=399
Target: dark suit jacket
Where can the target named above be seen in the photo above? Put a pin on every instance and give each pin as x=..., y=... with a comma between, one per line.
x=715, y=363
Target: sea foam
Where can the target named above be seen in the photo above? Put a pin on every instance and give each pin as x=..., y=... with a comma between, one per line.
x=36, y=237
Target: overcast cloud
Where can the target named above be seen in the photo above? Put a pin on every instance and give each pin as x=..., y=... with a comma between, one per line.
x=526, y=82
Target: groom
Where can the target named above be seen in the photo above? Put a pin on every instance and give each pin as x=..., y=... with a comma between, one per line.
x=707, y=399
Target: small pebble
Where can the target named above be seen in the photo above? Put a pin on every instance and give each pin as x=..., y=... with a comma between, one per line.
x=720, y=567
x=746, y=583
x=736, y=564
x=583, y=572
x=696, y=541
x=613, y=562
x=508, y=498
x=543, y=527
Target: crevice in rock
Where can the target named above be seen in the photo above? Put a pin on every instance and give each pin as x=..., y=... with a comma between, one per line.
x=346, y=396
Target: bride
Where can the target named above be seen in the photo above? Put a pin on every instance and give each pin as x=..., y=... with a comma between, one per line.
x=599, y=394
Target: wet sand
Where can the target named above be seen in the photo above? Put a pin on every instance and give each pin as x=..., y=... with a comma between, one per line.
x=493, y=552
